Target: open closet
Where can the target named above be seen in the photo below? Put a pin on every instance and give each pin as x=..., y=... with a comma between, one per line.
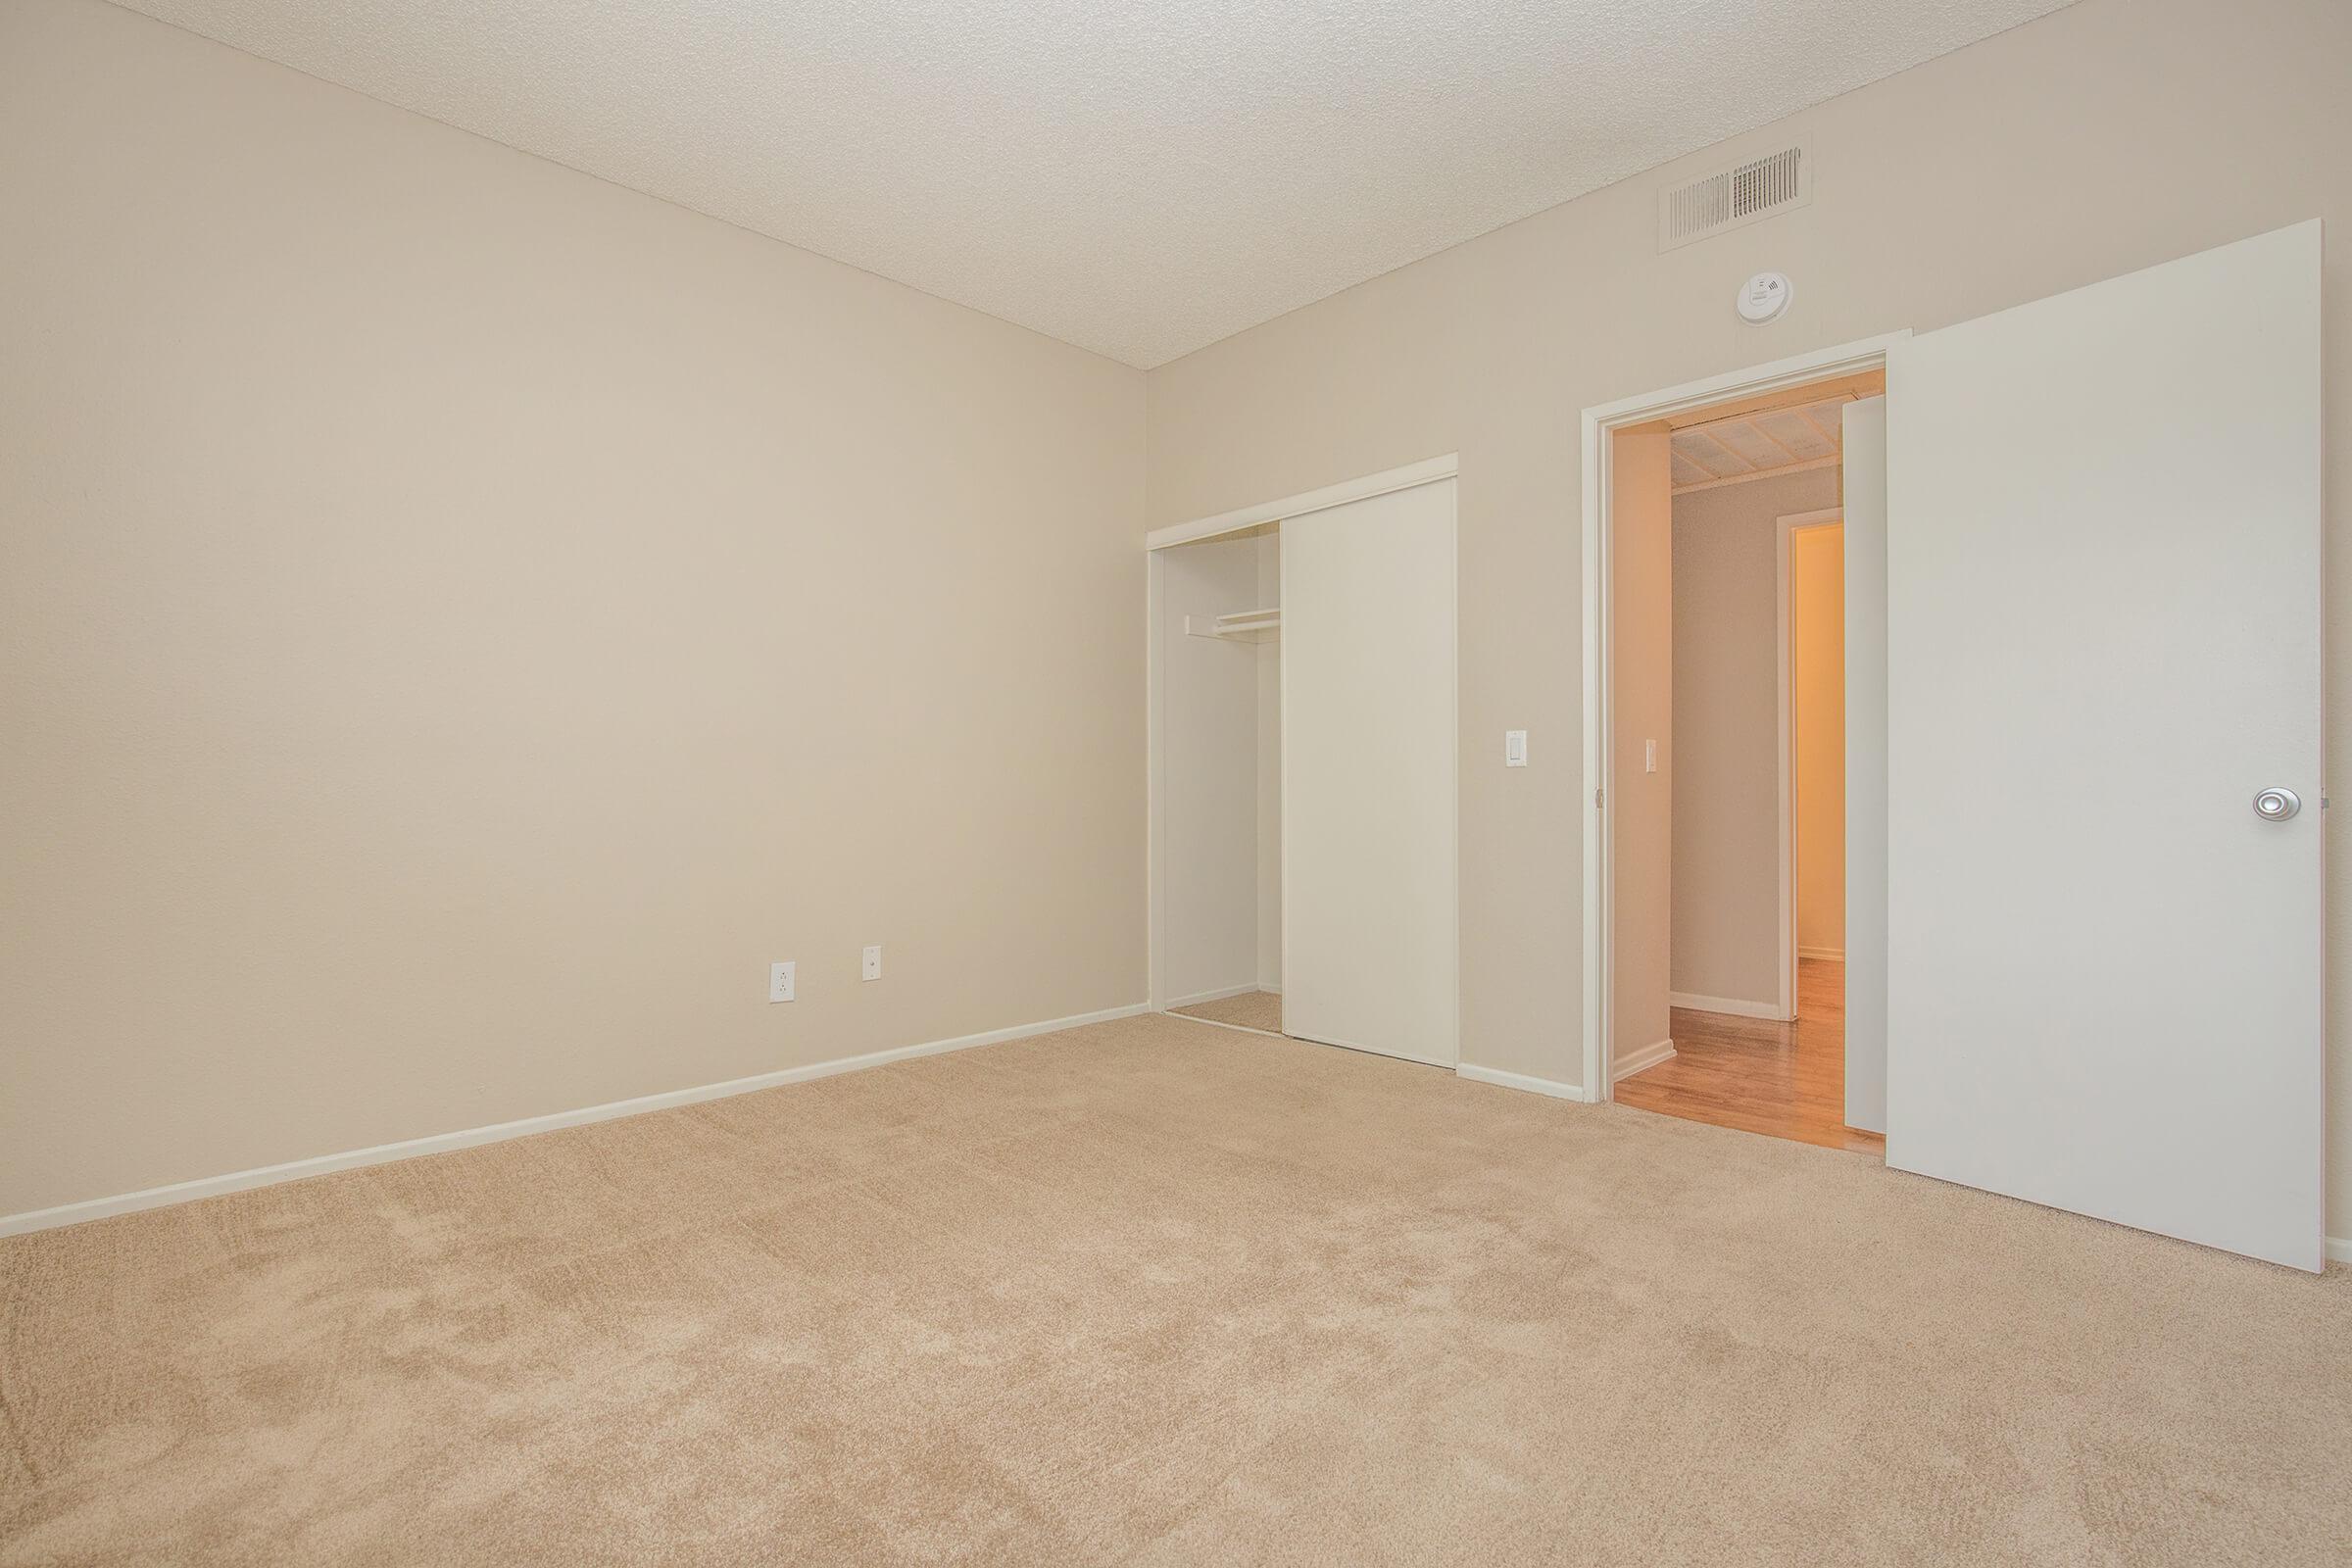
x=1304, y=764
x=1219, y=660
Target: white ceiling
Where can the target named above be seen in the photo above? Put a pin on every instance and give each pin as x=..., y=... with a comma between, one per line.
x=1751, y=446
x=1137, y=176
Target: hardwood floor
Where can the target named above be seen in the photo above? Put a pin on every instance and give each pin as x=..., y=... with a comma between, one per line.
x=1787, y=1079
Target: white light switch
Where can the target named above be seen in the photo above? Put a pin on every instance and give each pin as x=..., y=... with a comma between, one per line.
x=1514, y=747
x=873, y=964
x=1649, y=757
x=779, y=981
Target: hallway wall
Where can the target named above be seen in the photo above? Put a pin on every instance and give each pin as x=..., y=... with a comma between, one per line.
x=1727, y=833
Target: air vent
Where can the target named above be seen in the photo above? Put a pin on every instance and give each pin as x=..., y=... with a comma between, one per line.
x=1730, y=198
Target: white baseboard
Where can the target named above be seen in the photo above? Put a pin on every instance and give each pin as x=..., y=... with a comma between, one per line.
x=1734, y=1007
x=1199, y=996
x=2339, y=1250
x=1519, y=1080
x=1641, y=1060
x=41, y=1219
x=1833, y=955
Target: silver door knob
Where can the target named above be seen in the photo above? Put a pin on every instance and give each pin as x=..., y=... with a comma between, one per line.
x=2277, y=806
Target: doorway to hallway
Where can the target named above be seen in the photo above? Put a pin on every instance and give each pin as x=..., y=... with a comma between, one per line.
x=1785, y=1080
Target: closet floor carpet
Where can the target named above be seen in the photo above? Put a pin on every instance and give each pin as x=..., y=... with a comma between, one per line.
x=1153, y=1292
x=1251, y=1009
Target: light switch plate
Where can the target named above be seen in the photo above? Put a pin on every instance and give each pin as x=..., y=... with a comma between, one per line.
x=1514, y=747
x=1649, y=757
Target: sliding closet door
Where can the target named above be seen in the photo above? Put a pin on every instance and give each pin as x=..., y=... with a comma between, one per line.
x=1368, y=808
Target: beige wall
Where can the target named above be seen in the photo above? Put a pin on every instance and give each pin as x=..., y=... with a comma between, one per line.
x=1817, y=711
x=1641, y=810
x=459, y=620
x=2009, y=171
x=1726, y=832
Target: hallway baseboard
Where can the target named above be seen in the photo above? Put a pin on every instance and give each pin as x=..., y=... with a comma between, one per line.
x=1641, y=1060
x=1732, y=1007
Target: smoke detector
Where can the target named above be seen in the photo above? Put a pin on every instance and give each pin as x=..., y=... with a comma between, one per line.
x=1765, y=298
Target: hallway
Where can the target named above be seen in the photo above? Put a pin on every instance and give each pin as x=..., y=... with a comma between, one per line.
x=1785, y=1080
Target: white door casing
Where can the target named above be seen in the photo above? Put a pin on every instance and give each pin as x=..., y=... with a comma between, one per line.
x=1865, y=488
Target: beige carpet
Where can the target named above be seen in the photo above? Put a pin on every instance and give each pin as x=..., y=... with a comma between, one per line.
x=1251, y=1009
x=1158, y=1293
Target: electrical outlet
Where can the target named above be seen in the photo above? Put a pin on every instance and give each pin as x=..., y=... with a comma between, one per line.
x=873, y=964
x=779, y=981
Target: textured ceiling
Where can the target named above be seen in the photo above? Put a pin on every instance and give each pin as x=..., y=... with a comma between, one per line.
x=1137, y=176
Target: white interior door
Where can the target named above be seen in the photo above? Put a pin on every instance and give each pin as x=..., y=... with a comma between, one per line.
x=1368, y=810
x=2103, y=640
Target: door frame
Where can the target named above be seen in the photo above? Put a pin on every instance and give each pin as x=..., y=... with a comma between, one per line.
x=1600, y=423
x=1243, y=519
x=1786, y=527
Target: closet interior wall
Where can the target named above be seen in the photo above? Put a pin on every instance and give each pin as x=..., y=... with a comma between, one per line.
x=1220, y=777
x=1269, y=771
